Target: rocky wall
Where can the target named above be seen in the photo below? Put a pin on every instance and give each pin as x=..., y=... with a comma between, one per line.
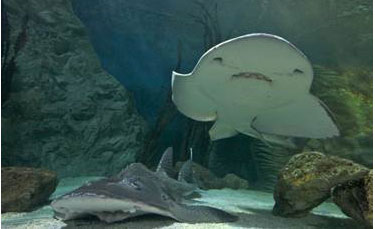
x=60, y=109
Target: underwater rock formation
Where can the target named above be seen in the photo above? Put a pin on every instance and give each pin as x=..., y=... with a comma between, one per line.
x=207, y=180
x=234, y=182
x=307, y=179
x=23, y=189
x=355, y=199
x=369, y=179
x=63, y=111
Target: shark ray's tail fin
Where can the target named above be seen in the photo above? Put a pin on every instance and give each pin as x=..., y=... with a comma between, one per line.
x=201, y=214
x=165, y=165
x=186, y=173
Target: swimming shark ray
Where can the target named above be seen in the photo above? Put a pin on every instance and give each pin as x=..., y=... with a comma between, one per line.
x=137, y=191
x=256, y=84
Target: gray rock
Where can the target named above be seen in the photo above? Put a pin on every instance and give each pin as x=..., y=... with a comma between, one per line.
x=307, y=179
x=207, y=180
x=23, y=189
x=235, y=182
x=355, y=199
x=62, y=110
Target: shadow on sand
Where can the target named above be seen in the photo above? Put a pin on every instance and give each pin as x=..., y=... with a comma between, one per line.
x=254, y=218
x=259, y=218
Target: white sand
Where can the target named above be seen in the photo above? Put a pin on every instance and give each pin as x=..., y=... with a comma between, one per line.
x=252, y=207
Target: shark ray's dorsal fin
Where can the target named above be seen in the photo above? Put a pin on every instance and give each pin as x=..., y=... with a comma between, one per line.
x=165, y=165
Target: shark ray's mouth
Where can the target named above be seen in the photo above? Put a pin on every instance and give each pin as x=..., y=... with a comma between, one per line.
x=252, y=75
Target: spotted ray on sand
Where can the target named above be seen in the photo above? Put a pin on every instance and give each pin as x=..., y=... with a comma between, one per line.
x=138, y=191
x=256, y=84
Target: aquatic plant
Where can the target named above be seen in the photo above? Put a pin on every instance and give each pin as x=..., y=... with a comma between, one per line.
x=166, y=115
x=234, y=155
x=269, y=161
x=208, y=18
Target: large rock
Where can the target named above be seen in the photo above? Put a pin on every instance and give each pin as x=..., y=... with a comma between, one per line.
x=307, y=179
x=23, y=189
x=355, y=199
x=368, y=213
x=60, y=110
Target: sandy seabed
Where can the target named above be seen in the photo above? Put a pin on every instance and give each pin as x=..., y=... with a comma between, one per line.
x=252, y=207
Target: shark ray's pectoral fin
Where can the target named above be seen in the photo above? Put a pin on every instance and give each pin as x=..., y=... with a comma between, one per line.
x=200, y=214
x=190, y=100
x=270, y=140
x=165, y=165
x=260, y=135
x=221, y=130
x=304, y=117
x=279, y=140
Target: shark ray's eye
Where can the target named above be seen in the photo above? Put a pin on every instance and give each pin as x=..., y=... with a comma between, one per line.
x=134, y=183
x=298, y=71
x=164, y=197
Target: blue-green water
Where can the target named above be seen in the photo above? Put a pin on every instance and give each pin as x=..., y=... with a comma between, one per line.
x=86, y=91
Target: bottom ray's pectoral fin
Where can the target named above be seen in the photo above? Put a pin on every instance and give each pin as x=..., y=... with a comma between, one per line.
x=220, y=130
x=303, y=118
x=69, y=215
x=201, y=214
